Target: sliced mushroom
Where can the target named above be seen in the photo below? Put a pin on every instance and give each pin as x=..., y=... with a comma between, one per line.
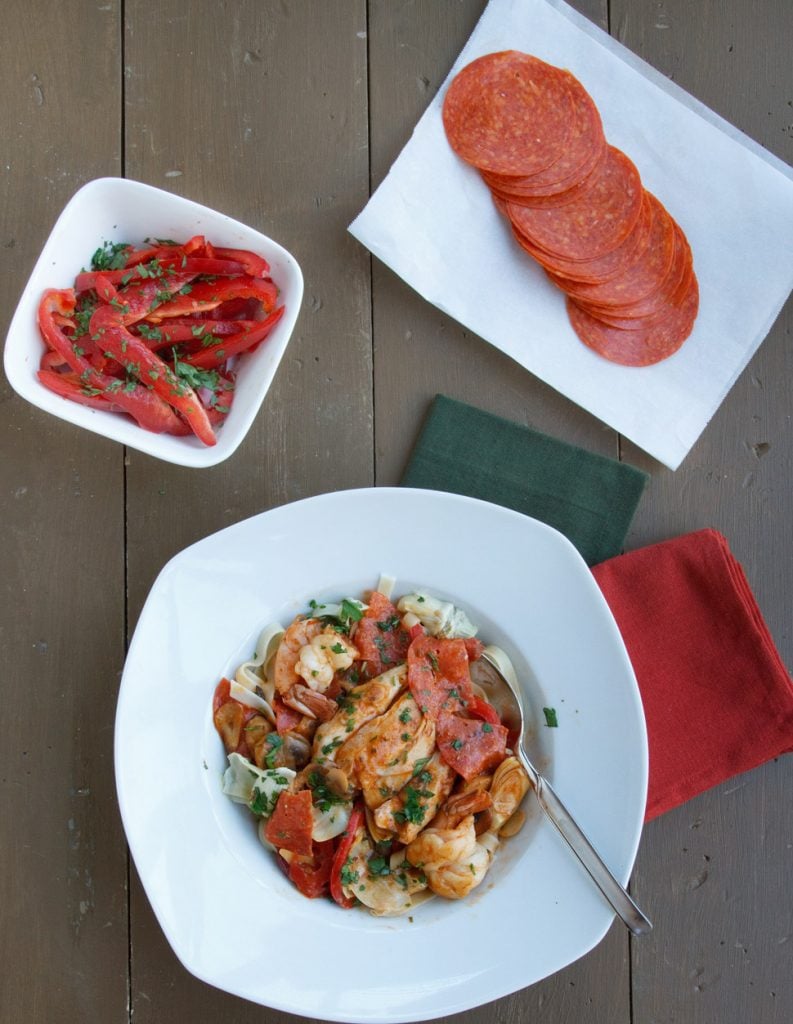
x=228, y=722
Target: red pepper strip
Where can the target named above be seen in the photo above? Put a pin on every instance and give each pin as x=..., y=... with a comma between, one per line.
x=346, y=840
x=52, y=360
x=415, y=631
x=194, y=244
x=104, y=286
x=149, y=411
x=219, y=408
x=215, y=355
x=194, y=265
x=197, y=331
x=208, y=294
x=68, y=385
x=139, y=361
x=482, y=709
x=154, y=253
x=255, y=265
x=136, y=301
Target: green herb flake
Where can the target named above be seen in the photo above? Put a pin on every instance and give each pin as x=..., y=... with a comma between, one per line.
x=550, y=717
x=110, y=256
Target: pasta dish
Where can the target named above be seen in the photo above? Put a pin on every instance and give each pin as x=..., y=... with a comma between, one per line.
x=377, y=771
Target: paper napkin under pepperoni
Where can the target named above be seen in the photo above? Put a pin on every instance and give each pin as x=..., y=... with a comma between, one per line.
x=576, y=205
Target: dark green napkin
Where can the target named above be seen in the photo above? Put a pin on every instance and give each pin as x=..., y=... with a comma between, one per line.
x=588, y=498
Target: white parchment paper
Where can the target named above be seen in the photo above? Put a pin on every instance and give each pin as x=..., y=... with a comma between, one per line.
x=433, y=222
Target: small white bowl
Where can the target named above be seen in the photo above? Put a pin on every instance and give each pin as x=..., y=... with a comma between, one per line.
x=114, y=210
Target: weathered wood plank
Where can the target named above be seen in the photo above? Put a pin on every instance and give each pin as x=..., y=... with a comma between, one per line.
x=63, y=942
x=271, y=128
x=716, y=873
x=418, y=352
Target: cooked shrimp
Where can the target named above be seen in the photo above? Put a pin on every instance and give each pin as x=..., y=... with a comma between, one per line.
x=320, y=659
x=453, y=859
x=298, y=635
x=313, y=705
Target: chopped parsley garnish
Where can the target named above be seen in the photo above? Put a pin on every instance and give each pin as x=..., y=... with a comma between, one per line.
x=413, y=810
x=550, y=717
x=377, y=866
x=457, y=744
x=419, y=765
x=149, y=333
x=350, y=612
x=339, y=648
x=404, y=715
x=388, y=624
x=83, y=312
x=330, y=747
x=263, y=803
x=194, y=376
x=487, y=727
x=324, y=798
x=433, y=660
x=110, y=256
x=275, y=743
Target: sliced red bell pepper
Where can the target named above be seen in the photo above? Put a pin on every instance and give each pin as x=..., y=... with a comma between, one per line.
x=68, y=385
x=213, y=356
x=256, y=266
x=137, y=300
x=291, y=823
x=346, y=840
x=140, y=362
x=164, y=268
x=312, y=877
x=206, y=295
x=484, y=710
x=197, y=332
x=286, y=718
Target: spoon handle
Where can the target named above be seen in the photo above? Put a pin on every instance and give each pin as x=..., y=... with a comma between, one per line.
x=616, y=895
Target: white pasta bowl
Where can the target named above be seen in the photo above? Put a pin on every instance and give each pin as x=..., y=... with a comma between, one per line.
x=198, y=854
x=118, y=209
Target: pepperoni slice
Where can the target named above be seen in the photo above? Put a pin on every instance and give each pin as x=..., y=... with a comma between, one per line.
x=599, y=270
x=653, y=308
x=596, y=222
x=643, y=277
x=379, y=636
x=470, y=746
x=638, y=347
x=438, y=675
x=291, y=823
x=585, y=147
x=509, y=113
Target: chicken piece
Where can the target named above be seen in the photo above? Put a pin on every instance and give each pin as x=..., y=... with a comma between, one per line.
x=356, y=708
x=382, y=756
x=509, y=786
x=324, y=655
x=385, y=891
x=300, y=633
x=415, y=804
x=454, y=860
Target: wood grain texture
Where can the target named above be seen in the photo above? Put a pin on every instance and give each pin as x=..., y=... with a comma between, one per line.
x=63, y=940
x=272, y=129
x=717, y=874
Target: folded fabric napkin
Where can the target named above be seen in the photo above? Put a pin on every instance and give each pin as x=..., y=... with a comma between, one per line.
x=717, y=697
x=589, y=498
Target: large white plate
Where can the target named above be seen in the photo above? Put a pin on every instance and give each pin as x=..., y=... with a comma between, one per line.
x=230, y=916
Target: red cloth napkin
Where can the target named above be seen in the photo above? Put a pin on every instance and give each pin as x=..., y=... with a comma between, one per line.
x=717, y=697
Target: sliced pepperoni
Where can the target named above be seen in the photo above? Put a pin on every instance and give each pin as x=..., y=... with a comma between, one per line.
x=643, y=277
x=585, y=147
x=470, y=746
x=638, y=347
x=509, y=113
x=291, y=823
x=654, y=307
x=379, y=636
x=596, y=271
x=438, y=675
x=596, y=222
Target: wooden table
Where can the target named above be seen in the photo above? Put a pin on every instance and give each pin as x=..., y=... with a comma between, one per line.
x=286, y=115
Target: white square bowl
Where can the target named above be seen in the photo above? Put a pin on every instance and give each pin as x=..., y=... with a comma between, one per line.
x=117, y=209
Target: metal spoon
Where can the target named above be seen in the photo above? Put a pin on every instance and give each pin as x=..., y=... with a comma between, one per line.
x=505, y=697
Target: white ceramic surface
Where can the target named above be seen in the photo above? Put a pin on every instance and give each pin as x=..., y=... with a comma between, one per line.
x=117, y=209
x=227, y=911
